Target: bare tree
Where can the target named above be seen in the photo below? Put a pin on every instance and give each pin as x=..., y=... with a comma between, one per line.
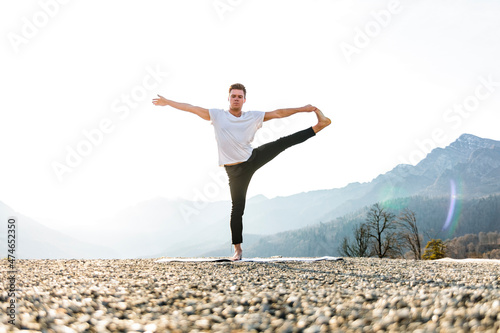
x=382, y=228
x=409, y=235
x=346, y=249
x=361, y=245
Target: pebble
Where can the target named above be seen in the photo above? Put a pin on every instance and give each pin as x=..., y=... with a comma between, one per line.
x=353, y=295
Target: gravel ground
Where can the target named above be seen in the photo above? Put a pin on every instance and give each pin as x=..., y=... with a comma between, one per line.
x=354, y=295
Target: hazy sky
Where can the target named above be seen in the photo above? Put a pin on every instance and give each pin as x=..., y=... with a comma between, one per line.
x=80, y=138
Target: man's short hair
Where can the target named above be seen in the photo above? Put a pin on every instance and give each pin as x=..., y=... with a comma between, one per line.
x=238, y=86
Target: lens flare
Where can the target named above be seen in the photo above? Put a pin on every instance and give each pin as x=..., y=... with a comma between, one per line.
x=455, y=208
x=451, y=210
x=387, y=194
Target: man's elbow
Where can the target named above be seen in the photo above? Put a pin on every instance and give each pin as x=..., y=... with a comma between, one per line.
x=278, y=114
x=272, y=115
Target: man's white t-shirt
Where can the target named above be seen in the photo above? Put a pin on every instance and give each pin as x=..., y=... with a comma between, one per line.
x=234, y=135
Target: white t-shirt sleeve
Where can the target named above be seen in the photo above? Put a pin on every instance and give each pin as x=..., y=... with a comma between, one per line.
x=259, y=118
x=213, y=114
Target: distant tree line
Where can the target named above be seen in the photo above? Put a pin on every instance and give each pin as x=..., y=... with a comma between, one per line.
x=482, y=245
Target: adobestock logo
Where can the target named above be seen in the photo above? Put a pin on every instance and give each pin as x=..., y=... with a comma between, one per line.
x=371, y=30
x=271, y=131
x=203, y=195
x=224, y=6
x=94, y=137
x=471, y=103
x=31, y=27
x=453, y=117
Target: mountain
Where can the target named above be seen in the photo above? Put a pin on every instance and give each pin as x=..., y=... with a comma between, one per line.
x=468, y=168
x=148, y=228
x=470, y=161
x=36, y=241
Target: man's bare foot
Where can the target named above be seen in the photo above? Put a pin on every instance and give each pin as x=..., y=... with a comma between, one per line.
x=323, y=121
x=236, y=256
x=238, y=252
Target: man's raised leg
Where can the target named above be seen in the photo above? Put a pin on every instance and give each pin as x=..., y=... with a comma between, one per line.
x=268, y=151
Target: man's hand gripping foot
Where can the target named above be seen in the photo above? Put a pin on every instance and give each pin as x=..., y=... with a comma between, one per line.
x=323, y=121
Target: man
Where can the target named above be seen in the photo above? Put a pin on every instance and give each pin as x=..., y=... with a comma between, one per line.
x=234, y=132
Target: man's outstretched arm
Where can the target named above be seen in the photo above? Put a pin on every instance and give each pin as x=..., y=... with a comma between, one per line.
x=202, y=112
x=282, y=113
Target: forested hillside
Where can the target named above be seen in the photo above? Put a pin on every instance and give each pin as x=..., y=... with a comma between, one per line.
x=470, y=216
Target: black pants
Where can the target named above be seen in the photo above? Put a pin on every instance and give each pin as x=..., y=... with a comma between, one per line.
x=241, y=174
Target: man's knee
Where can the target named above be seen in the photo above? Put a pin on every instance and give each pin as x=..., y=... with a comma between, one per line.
x=238, y=209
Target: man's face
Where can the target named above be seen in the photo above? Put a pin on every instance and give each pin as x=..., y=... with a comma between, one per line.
x=236, y=99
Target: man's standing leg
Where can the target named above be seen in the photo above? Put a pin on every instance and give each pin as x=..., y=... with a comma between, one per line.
x=239, y=178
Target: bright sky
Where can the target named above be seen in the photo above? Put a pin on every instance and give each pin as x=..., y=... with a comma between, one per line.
x=397, y=78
